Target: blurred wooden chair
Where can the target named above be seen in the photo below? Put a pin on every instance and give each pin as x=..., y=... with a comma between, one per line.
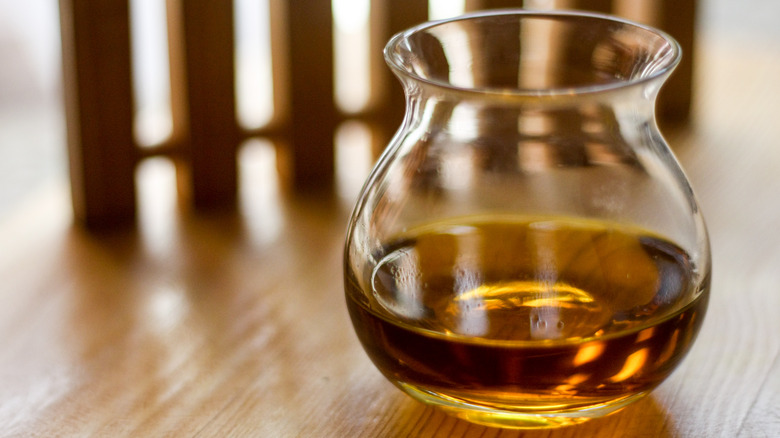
x=103, y=153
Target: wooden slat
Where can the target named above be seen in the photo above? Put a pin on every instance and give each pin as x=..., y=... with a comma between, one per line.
x=389, y=17
x=312, y=111
x=500, y=124
x=99, y=110
x=206, y=52
x=493, y=4
x=603, y=6
x=178, y=75
x=280, y=62
x=96, y=57
x=678, y=18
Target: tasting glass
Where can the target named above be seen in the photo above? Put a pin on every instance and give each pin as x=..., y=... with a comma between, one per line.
x=527, y=251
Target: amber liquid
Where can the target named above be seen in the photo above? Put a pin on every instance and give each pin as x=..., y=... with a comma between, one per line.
x=548, y=315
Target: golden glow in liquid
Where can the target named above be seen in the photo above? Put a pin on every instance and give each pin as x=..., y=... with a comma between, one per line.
x=518, y=321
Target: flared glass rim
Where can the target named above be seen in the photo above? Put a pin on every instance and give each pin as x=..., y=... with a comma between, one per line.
x=393, y=61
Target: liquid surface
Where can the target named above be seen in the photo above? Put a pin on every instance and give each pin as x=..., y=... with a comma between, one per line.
x=528, y=315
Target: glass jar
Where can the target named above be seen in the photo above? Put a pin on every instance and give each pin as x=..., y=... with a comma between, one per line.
x=527, y=251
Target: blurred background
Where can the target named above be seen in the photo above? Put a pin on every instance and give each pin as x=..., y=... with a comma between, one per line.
x=79, y=313
x=32, y=127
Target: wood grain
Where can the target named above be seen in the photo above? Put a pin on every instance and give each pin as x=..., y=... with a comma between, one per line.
x=235, y=324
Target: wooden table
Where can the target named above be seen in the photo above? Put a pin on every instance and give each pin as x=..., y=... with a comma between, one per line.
x=235, y=325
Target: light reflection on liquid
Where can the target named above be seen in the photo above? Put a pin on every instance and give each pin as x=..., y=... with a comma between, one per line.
x=588, y=353
x=633, y=363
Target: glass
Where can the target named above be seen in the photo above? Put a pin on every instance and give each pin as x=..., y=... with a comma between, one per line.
x=527, y=251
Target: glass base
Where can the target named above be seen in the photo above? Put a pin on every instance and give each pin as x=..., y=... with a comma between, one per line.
x=518, y=419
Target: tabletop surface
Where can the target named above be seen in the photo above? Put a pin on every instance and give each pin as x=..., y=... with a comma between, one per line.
x=235, y=324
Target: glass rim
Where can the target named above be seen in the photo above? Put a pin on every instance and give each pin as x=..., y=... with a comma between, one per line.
x=665, y=69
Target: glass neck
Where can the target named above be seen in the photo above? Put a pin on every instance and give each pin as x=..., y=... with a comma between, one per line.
x=468, y=115
x=512, y=55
